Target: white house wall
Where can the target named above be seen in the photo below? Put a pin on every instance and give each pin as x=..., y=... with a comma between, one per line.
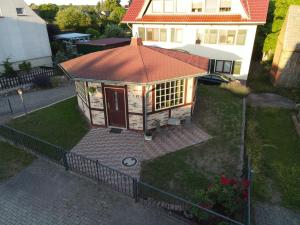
x=241, y=53
x=23, y=38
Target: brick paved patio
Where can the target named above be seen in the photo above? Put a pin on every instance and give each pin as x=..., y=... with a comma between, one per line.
x=111, y=148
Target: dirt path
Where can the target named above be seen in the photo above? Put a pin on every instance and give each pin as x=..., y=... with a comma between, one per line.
x=270, y=100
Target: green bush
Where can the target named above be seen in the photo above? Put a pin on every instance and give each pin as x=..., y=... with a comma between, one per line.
x=25, y=66
x=94, y=33
x=8, y=68
x=113, y=30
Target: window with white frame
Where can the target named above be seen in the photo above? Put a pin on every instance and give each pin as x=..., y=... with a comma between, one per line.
x=20, y=11
x=141, y=33
x=168, y=6
x=180, y=6
x=211, y=37
x=152, y=34
x=176, y=35
x=237, y=67
x=199, y=37
x=81, y=89
x=1, y=15
x=223, y=66
x=227, y=37
x=225, y=5
x=241, y=37
x=157, y=6
x=211, y=6
x=197, y=5
x=169, y=94
x=163, y=34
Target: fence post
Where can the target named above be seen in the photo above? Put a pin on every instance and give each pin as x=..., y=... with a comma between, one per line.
x=65, y=160
x=135, y=184
x=9, y=104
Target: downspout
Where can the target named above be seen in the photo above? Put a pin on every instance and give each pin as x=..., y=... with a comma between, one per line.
x=145, y=110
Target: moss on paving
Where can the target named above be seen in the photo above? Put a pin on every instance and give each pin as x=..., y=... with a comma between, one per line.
x=61, y=124
x=12, y=160
x=274, y=147
x=219, y=113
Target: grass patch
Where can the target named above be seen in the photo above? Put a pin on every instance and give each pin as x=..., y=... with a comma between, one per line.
x=12, y=160
x=260, y=81
x=219, y=113
x=274, y=148
x=61, y=124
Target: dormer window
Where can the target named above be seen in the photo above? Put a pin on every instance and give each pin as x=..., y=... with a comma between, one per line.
x=197, y=5
x=169, y=6
x=20, y=11
x=225, y=5
x=157, y=6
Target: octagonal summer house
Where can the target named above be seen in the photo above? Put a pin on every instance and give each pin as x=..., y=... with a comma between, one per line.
x=136, y=87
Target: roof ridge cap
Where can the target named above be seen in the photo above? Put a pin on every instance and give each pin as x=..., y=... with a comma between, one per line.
x=141, y=57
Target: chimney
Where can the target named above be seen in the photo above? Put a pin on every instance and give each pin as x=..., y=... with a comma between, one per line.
x=136, y=41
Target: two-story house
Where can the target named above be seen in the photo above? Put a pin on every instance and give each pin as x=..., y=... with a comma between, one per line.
x=23, y=35
x=221, y=30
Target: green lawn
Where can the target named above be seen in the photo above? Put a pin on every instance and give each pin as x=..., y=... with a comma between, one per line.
x=12, y=160
x=274, y=147
x=61, y=124
x=259, y=81
x=219, y=113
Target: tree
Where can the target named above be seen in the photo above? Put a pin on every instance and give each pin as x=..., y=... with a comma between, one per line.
x=279, y=10
x=110, y=5
x=72, y=18
x=95, y=33
x=33, y=6
x=113, y=30
x=117, y=14
x=48, y=11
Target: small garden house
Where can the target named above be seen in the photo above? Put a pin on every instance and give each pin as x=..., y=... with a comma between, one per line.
x=136, y=87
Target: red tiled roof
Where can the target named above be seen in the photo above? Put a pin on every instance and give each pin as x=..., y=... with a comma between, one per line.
x=256, y=10
x=105, y=41
x=138, y=64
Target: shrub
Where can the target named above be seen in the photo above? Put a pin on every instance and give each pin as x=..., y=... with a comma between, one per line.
x=25, y=66
x=94, y=33
x=8, y=68
x=42, y=82
x=113, y=30
x=236, y=88
x=224, y=195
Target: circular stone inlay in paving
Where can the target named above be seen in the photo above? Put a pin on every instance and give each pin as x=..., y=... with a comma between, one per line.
x=129, y=161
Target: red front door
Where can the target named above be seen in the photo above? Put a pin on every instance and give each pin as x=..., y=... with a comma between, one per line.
x=115, y=104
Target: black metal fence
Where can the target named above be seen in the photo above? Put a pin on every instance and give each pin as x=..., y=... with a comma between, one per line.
x=22, y=78
x=146, y=194
x=5, y=105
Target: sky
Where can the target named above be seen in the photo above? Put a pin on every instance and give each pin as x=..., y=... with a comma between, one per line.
x=67, y=2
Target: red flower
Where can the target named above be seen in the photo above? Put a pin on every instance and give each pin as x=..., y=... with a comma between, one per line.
x=224, y=181
x=246, y=183
x=233, y=181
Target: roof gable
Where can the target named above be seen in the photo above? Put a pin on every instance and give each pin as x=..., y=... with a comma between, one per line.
x=255, y=11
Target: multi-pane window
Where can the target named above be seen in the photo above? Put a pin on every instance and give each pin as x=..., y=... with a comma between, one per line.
x=225, y=5
x=163, y=34
x=169, y=94
x=197, y=5
x=241, y=37
x=180, y=6
x=157, y=6
x=1, y=15
x=152, y=34
x=237, y=67
x=211, y=36
x=199, y=37
x=176, y=35
x=227, y=37
x=211, y=6
x=168, y=6
x=223, y=66
x=81, y=89
x=141, y=31
x=20, y=11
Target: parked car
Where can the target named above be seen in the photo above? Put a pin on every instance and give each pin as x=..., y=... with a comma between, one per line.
x=214, y=79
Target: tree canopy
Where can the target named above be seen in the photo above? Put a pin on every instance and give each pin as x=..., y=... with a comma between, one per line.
x=71, y=18
x=117, y=14
x=48, y=11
